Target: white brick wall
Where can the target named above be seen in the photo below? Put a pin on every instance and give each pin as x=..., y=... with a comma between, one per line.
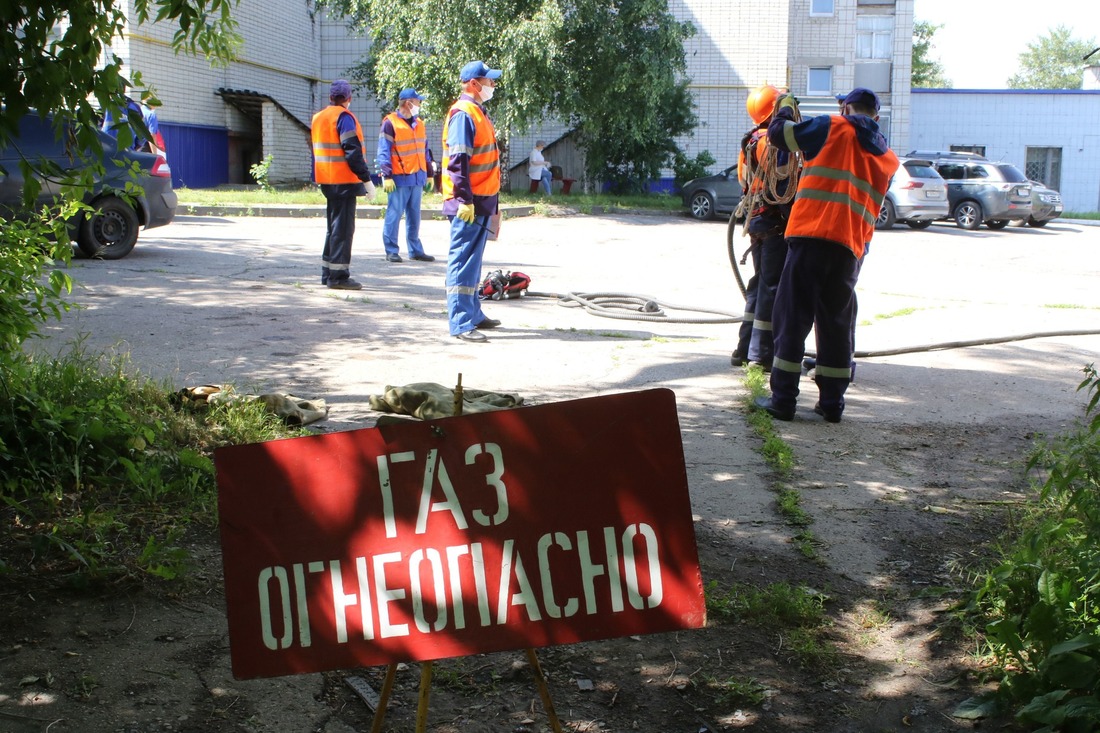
x=292, y=52
x=1007, y=122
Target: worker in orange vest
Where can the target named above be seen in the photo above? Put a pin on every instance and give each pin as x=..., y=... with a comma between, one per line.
x=403, y=162
x=846, y=172
x=471, y=187
x=764, y=225
x=342, y=171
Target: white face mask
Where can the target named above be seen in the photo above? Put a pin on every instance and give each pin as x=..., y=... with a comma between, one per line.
x=414, y=110
x=487, y=93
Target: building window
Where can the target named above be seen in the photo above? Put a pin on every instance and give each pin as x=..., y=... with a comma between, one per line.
x=820, y=81
x=874, y=37
x=1045, y=164
x=821, y=7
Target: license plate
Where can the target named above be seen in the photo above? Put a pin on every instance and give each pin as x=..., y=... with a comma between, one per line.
x=1058, y=208
x=933, y=194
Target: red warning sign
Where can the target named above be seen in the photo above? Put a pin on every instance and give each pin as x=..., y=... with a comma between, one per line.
x=518, y=528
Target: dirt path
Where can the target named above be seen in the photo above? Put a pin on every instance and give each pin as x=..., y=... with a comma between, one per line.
x=902, y=493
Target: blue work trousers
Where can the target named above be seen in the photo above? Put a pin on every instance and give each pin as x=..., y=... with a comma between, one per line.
x=816, y=290
x=752, y=289
x=336, y=256
x=772, y=249
x=403, y=201
x=464, y=273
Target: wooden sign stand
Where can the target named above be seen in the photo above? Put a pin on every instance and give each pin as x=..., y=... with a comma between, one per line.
x=426, y=667
x=425, y=693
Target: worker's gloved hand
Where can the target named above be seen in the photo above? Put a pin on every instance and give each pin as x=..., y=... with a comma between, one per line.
x=369, y=185
x=466, y=213
x=787, y=100
x=388, y=185
x=429, y=186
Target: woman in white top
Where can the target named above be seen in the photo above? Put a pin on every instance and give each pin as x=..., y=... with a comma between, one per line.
x=538, y=167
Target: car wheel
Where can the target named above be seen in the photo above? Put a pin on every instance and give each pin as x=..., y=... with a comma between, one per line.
x=1033, y=222
x=702, y=206
x=886, y=216
x=919, y=224
x=968, y=215
x=110, y=231
x=997, y=223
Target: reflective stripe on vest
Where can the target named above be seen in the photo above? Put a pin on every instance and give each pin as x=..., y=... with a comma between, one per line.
x=329, y=163
x=841, y=190
x=484, y=157
x=406, y=146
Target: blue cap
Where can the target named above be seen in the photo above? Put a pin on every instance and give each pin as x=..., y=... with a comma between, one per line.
x=476, y=70
x=840, y=97
x=863, y=97
x=340, y=89
x=409, y=93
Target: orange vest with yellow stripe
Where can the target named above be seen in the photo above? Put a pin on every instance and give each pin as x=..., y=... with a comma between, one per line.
x=407, y=147
x=484, y=158
x=329, y=164
x=841, y=190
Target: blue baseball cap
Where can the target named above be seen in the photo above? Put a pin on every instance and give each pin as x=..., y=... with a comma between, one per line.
x=863, y=97
x=409, y=93
x=477, y=70
x=340, y=89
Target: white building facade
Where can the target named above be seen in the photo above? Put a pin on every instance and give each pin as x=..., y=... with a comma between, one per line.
x=1050, y=135
x=220, y=121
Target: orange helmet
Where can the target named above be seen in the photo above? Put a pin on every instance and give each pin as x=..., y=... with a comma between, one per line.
x=761, y=103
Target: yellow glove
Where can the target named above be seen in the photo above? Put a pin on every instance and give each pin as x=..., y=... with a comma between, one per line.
x=466, y=213
x=388, y=185
x=429, y=186
x=786, y=101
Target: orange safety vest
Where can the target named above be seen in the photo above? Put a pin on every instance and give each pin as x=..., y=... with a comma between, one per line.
x=484, y=158
x=407, y=146
x=329, y=164
x=759, y=144
x=841, y=190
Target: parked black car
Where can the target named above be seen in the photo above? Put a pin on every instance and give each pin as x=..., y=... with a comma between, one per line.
x=709, y=196
x=110, y=231
x=979, y=190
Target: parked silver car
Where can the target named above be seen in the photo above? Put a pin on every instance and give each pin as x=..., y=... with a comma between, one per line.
x=917, y=196
x=981, y=191
x=1046, y=204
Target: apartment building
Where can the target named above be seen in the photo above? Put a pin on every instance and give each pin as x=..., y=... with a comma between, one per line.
x=218, y=122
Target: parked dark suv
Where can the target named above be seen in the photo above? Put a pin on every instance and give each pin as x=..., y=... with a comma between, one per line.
x=979, y=190
x=110, y=231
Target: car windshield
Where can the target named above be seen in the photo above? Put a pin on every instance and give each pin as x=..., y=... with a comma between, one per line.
x=921, y=170
x=1012, y=174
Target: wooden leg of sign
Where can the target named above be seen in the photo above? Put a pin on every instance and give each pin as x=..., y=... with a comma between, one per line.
x=544, y=691
x=425, y=692
x=384, y=699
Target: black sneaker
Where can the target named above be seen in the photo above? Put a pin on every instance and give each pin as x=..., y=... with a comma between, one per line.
x=393, y=257
x=421, y=258
x=348, y=284
x=765, y=404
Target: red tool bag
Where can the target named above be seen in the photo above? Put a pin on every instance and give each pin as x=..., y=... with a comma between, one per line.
x=503, y=284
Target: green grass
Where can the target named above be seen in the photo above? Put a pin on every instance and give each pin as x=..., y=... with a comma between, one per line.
x=311, y=195
x=104, y=471
x=1080, y=215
